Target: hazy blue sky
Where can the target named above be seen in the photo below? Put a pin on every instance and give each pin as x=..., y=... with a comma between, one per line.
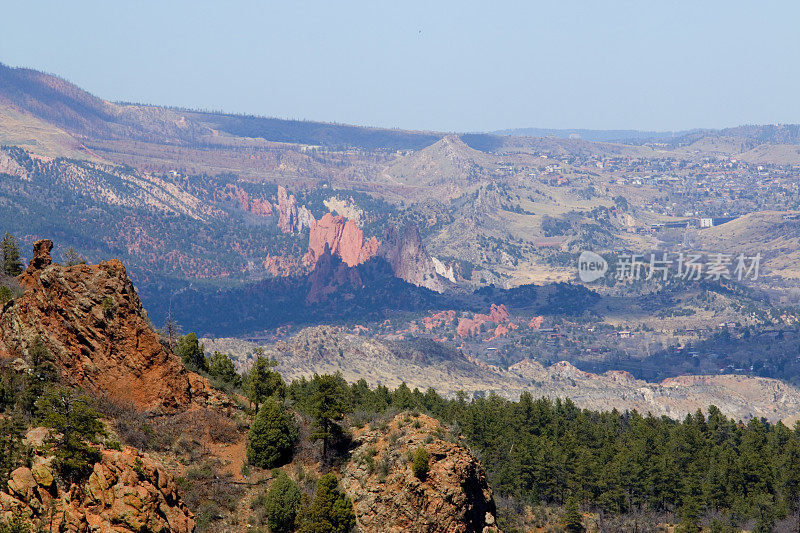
x=460, y=66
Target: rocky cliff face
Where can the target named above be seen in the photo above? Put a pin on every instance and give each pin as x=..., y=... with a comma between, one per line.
x=454, y=496
x=292, y=217
x=128, y=491
x=342, y=237
x=403, y=250
x=331, y=275
x=92, y=320
x=410, y=261
x=257, y=206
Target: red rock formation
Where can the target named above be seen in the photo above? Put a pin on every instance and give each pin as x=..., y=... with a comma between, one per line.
x=498, y=313
x=127, y=492
x=536, y=322
x=343, y=238
x=441, y=318
x=501, y=330
x=257, y=206
x=41, y=255
x=468, y=327
x=331, y=275
x=287, y=211
x=92, y=320
x=404, y=251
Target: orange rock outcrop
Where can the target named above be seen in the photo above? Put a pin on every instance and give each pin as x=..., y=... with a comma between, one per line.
x=343, y=237
x=127, y=492
x=92, y=320
x=468, y=327
x=257, y=206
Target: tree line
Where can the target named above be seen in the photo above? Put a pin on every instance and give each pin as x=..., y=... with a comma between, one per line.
x=705, y=468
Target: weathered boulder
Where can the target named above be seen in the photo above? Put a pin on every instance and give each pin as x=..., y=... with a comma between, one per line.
x=127, y=491
x=454, y=496
x=41, y=254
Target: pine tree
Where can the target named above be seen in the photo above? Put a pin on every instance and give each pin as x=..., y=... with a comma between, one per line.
x=77, y=425
x=420, y=463
x=401, y=398
x=44, y=373
x=572, y=519
x=72, y=258
x=171, y=330
x=6, y=295
x=330, y=511
x=272, y=436
x=192, y=352
x=262, y=382
x=221, y=367
x=12, y=431
x=281, y=504
x=328, y=405
x=12, y=265
x=791, y=484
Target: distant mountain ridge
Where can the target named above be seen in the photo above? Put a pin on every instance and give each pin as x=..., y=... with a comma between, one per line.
x=756, y=133
x=593, y=135
x=59, y=102
x=66, y=105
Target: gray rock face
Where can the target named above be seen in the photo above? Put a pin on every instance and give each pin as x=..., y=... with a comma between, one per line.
x=406, y=253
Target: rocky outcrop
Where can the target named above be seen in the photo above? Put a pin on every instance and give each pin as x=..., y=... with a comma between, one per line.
x=291, y=217
x=454, y=496
x=330, y=276
x=128, y=491
x=444, y=270
x=442, y=318
x=257, y=206
x=406, y=253
x=41, y=255
x=343, y=238
x=287, y=211
x=403, y=250
x=498, y=314
x=92, y=320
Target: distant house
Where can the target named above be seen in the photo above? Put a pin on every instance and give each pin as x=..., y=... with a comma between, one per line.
x=708, y=222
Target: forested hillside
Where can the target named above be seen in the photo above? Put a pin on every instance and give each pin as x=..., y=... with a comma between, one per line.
x=706, y=469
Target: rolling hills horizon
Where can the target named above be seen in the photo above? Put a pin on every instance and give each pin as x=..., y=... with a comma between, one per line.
x=70, y=99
